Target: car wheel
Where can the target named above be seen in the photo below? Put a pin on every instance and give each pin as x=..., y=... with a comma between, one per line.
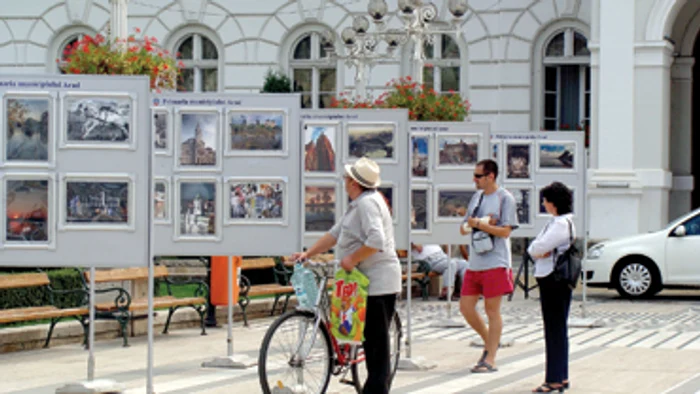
x=636, y=279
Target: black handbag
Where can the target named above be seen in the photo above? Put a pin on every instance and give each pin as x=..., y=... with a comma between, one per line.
x=567, y=266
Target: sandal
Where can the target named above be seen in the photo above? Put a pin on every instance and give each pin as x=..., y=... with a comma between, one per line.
x=483, y=367
x=483, y=357
x=548, y=388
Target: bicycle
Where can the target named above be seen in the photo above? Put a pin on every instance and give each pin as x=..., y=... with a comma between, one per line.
x=320, y=347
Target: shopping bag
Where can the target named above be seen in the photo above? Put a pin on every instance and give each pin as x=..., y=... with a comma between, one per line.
x=349, y=306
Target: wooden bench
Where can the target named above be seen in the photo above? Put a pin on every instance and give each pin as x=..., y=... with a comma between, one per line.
x=280, y=288
x=52, y=312
x=420, y=275
x=124, y=307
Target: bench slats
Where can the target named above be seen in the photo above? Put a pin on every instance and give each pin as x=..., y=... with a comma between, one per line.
x=414, y=275
x=16, y=281
x=256, y=264
x=141, y=304
x=268, y=289
x=38, y=313
x=122, y=274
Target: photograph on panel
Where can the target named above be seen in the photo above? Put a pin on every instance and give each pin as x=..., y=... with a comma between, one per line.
x=557, y=155
x=387, y=193
x=419, y=210
x=27, y=135
x=453, y=203
x=458, y=150
x=256, y=131
x=94, y=201
x=199, y=139
x=375, y=141
x=98, y=119
x=197, y=208
x=523, y=202
x=160, y=201
x=261, y=200
x=419, y=164
x=160, y=129
x=27, y=203
x=518, y=162
x=319, y=207
x=320, y=148
x=496, y=152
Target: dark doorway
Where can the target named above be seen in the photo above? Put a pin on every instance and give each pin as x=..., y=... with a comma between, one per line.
x=695, y=114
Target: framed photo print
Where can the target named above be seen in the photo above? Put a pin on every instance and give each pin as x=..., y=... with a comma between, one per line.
x=457, y=151
x=256, y=201
x=518, y=161
x=162, y=137
x=98, y=120
x=556, y=156
x=543, y=211
x=29, y=133
x=389, y=194
x=97, y=202
x=320, y=207
x=523, y=204
x=420, y=159
x=198, y=209
x=198, y=139
x=420, y=215
x=320, y=148
x=375, y=140
x=161, y=200
x=256, y=132
x=452, y=203
x=30, y=213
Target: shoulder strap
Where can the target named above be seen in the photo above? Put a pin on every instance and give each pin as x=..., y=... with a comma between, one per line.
x=478, y=204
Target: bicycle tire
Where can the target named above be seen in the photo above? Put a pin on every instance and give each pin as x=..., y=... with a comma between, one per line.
x=262, y=358
x=395, y=331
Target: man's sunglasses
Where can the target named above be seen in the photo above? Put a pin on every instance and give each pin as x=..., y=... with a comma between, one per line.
x=479, y=176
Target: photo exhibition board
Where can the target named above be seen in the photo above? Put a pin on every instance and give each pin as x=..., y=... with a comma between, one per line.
x=335, y=137
x=443, y=159
x=74, y=170
x=226, y=174
x=529, y=161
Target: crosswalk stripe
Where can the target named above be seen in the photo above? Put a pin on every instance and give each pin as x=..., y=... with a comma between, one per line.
x=675, y=343
x=649, y=343
x=608, y=337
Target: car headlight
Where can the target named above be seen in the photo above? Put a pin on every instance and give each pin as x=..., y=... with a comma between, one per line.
x=595, y=252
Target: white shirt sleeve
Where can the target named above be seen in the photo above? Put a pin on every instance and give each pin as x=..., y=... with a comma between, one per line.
x=557, y=234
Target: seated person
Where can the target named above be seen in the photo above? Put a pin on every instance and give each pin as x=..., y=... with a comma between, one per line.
x=439, y=262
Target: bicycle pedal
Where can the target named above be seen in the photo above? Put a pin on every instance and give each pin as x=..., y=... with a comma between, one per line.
x=347, y=381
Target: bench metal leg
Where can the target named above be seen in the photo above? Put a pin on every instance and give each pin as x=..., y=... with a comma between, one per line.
x=123, y=321
x=167, y=322
x=202, y=310
x=51, y=327
x=274, y=304
x=286, y=303
x=243, y=303
x=85, y=322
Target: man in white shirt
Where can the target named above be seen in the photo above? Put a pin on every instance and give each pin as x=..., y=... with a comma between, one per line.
x=442, y=264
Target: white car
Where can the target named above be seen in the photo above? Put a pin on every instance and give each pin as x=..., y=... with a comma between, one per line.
x=642, y=265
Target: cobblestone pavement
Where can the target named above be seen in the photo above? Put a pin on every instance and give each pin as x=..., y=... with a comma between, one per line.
x=643, y=347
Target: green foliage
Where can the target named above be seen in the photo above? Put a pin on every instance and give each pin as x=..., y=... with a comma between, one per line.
x=276, y=82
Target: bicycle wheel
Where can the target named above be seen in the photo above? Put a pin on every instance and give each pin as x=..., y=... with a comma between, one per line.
x=359, y=369
x=282, y=366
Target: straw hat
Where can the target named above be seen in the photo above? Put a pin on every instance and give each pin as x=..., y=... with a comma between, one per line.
x=365, y=172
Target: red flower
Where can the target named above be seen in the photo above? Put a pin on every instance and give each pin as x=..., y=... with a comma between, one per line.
x=408, y=78
x=137, y=30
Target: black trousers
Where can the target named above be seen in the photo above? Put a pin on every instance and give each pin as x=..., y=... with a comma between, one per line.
x=380, y=311
x=555, y=299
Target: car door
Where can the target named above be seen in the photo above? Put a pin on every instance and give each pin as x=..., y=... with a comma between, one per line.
x=683, y=253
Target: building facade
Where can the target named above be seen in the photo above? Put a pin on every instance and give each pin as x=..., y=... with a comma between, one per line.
x=622, y=68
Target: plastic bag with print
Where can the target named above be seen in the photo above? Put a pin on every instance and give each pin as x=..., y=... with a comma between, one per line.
x=349, y=306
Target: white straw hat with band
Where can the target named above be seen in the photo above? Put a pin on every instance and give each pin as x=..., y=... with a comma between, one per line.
x=365, y=172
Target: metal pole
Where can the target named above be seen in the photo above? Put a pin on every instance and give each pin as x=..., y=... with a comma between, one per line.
x=585, y=231
x=91, y=335
x=229, y=339
x=149, y=382
x=450, y=278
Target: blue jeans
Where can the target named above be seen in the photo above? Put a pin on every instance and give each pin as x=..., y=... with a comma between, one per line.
x=555, y=300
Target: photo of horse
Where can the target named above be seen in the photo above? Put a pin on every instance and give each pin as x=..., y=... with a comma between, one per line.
x=97, y=119
x=27, y=129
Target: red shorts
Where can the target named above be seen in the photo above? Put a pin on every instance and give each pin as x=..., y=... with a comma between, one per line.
x=490, y=283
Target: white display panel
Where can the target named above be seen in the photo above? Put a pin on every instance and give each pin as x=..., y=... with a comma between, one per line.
x=75, y=170
x=335, y=137
x=229, y=173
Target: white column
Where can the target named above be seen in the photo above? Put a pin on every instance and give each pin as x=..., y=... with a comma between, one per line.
x=118, y=22
x=614, y=190
x=680, y=200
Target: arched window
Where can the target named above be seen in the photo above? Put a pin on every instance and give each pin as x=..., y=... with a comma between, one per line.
x=566, y=81
x=442, y=64
x=312, y=76
x=200, y=57
x=61, y=43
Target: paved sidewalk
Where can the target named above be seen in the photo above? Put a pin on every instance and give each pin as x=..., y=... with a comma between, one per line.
x=645, y=347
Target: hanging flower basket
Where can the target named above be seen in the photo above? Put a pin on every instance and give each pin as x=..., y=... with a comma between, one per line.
x=423, y=104
x=131, y=56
